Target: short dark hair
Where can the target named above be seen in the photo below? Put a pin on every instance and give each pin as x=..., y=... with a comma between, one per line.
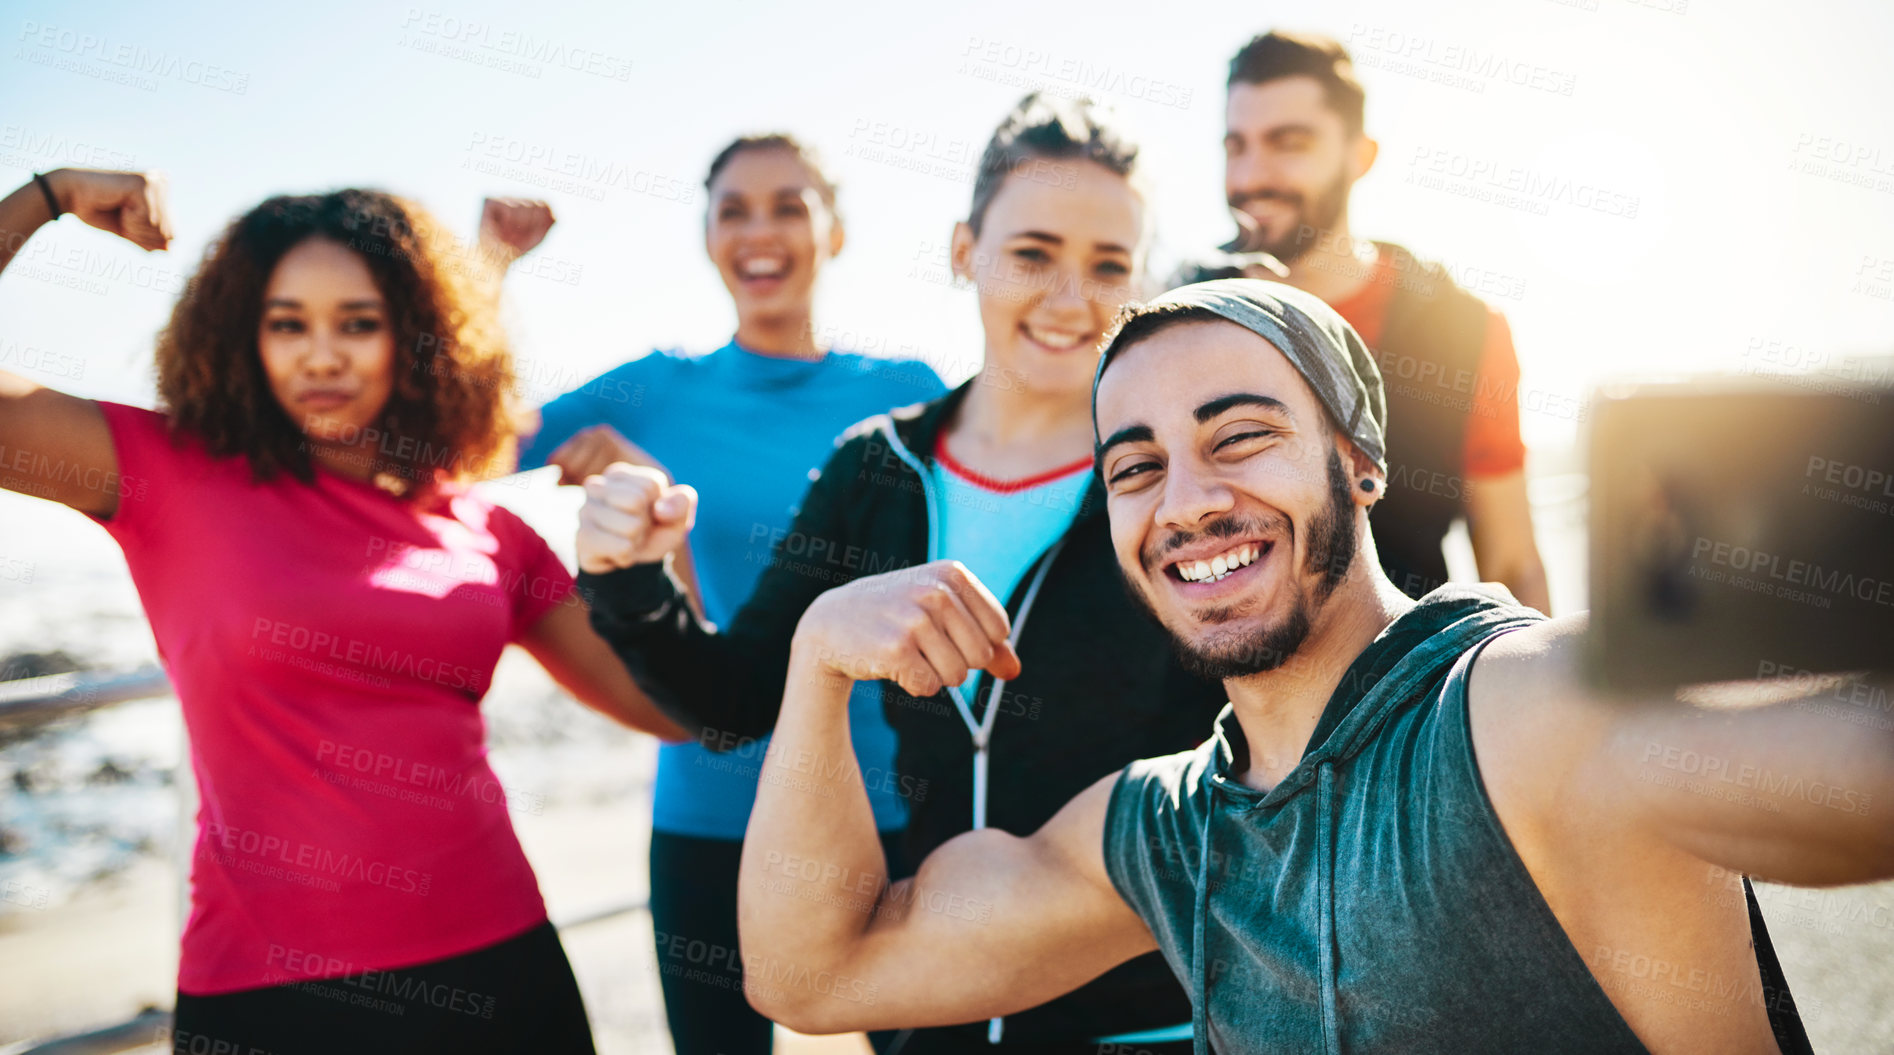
x=1055, y=129
x=1134, y=323
x=1138, y=322
x=1278, y=54
x=824, y=183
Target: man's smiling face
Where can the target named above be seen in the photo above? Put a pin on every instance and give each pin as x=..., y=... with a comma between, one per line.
x=1233, y=509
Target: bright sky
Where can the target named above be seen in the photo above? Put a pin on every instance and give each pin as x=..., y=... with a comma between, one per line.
x=1650, y=185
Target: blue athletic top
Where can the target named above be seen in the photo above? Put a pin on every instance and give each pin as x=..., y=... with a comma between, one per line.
x=998, y=528
x=747, y=431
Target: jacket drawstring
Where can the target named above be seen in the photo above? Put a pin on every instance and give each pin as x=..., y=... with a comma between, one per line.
x=1199, y=964
x=1325, y=893
x=1325, y=911
x=982, y=730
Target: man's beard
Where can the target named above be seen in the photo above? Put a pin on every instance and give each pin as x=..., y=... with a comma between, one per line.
x=1331, y=554
x=1313, y=219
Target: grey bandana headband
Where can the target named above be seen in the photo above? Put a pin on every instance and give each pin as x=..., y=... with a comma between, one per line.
x=1320, y=344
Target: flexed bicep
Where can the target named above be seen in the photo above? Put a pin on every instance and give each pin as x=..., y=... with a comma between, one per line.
x=991, y=924
x=54, y=445
x=57, y=447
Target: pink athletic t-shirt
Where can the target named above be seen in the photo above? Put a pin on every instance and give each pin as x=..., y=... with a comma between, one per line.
x=330, y=644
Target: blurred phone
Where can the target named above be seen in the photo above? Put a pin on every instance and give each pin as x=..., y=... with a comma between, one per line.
x=1740, y=528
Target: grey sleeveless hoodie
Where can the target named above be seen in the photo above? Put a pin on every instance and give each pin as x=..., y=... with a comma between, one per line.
x=1371, y=901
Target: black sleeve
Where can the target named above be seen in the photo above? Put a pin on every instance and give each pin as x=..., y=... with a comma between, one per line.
x=727, y=683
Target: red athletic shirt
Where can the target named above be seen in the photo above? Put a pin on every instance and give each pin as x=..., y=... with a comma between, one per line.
x=329, y=644
x=1493, y=446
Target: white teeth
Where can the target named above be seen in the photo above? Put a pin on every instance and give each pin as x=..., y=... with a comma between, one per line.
x=1053, y=340
x=1220, y=566
x=761, y=268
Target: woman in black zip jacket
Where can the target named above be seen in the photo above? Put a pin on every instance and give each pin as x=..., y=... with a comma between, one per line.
x=996, y=474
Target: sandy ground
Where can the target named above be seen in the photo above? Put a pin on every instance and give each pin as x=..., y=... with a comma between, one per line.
x=101, y=957
x=111, y=951
x=1837, y=949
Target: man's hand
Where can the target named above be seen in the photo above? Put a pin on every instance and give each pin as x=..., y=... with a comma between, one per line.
x=591, y=450
x=513, y=227
x=1043, y=917
x=128, y=204
x=924, y=628
x=633, y=514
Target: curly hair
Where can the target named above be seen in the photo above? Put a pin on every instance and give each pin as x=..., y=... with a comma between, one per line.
x=450, y=415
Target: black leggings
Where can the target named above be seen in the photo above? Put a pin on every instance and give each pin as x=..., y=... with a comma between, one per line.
x=694, y=926
x=515, y=996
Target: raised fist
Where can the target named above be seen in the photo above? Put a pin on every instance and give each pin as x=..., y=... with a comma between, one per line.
x=514, y=225
x=923, y=628
x=632, y=515
x=591, y=450
x=128, y=204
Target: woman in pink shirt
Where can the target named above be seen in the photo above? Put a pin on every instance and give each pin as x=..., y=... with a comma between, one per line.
x=330, y=601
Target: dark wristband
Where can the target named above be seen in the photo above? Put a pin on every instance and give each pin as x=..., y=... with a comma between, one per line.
x=52, y=203
x=634, y=596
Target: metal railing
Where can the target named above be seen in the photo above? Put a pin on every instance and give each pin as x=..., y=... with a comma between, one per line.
x=29, y=703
